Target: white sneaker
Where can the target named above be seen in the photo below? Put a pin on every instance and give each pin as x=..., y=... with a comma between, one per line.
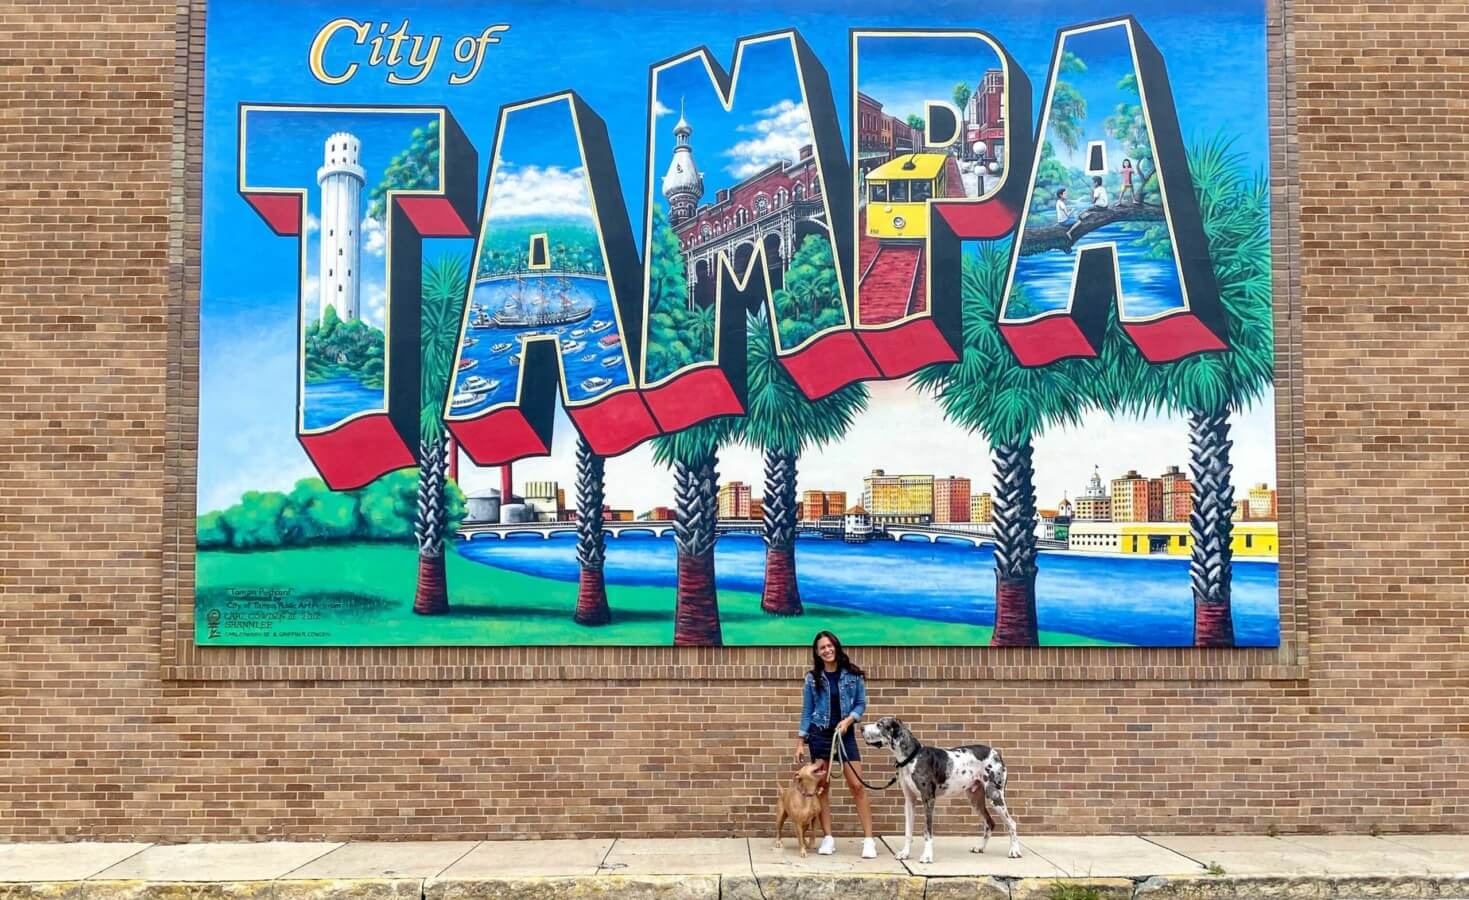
x=869, y=849
x=828, y=846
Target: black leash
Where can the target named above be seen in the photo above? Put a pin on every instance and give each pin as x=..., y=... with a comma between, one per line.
x=840, y=752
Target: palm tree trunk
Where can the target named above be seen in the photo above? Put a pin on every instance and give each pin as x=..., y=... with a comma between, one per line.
x=696, y=491
x=1014, y=524
x=1211, y=527
x=591, y=539
x=781, y=596
x=431, y=596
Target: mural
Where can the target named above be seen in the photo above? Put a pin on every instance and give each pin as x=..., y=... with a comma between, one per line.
x=924, y=328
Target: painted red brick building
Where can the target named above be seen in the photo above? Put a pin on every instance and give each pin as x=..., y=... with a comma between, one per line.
x=950, y=500
x=772, y=209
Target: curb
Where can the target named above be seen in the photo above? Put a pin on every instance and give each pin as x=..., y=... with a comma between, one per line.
x=807, y=886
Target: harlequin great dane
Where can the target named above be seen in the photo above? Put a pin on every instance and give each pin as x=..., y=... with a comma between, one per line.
x=929, y=774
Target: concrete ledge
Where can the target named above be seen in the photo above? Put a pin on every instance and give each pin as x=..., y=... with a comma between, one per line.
x=967, y=888
x=783, y=886
x=1098, y=888
x=575, y=887
x=1304, y=887
x=824, y=886
x=349, y=889
x=40, y=890
x=129, y=889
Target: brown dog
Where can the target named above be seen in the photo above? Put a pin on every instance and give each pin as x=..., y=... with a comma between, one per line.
x=800, y=801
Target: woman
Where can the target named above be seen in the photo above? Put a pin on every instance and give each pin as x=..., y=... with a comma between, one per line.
x=833, y=700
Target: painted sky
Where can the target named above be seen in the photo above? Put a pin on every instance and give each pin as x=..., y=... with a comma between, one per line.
x=540, y=173
x=901, y=73
x=257, y=51
x=767, y=121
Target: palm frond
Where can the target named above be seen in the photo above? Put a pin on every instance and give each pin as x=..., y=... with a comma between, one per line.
x=445, y=281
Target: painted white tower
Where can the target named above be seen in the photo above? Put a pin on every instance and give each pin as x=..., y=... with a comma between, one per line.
x=683, y=185
x=341, y=179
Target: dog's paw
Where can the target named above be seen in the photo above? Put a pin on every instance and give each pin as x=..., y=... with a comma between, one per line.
x=926, y=858
x=803, y=852
x=901, y=854
x=977, y=848
x=779, y=846
x=1015, y=852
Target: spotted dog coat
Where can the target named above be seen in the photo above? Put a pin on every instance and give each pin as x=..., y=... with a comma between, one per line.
x=929, y=774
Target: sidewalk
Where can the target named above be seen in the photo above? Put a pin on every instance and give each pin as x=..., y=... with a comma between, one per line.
x=1075, y=868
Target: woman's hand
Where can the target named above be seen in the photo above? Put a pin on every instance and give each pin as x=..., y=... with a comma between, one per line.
x=843, y=725
x=803, y=752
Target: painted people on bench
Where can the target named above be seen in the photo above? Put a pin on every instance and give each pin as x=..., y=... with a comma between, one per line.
x=832, y=701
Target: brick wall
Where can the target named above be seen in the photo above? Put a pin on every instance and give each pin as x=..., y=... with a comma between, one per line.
x=112, y=724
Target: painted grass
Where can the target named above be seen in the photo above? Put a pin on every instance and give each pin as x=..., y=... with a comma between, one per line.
x=362, y=595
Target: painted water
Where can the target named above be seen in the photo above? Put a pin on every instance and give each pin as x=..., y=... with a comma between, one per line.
x=334, y=399
x=1150, y=284
x=581, y=363
x=1144, y=600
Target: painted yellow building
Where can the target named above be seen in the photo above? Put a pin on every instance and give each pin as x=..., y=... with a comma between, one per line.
x=908, y=496
x=981, y=508
x=1250, y=539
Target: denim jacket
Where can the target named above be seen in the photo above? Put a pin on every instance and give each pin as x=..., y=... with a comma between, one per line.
x=816, y=706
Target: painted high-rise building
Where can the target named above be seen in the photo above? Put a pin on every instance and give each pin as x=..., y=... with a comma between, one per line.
x=1094, y=504
x=734, y=500
x=982, y=507
x=341, y=178
x=1178, y=496
x=951, y=500
x=898, y=499
x=1263, y=502
x=1130, y=498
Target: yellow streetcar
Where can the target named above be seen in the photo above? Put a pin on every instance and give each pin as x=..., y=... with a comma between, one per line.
x=898, y=192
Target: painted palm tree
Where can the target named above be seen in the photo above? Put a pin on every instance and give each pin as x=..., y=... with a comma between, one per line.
x=988, y=391
x=1208, y=387
x=444, y=283
x=782, y=422
x=591, y=540
x=961, y=100
x=693, y=454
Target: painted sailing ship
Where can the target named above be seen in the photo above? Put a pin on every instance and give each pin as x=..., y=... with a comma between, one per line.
x=538, y=310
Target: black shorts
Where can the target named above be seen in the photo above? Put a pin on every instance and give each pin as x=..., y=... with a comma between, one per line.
x=819, y=739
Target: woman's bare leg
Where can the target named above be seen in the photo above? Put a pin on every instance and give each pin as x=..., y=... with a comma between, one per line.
x=859, y=796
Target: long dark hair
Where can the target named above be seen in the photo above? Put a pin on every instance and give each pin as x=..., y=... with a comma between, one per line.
x=818, y=666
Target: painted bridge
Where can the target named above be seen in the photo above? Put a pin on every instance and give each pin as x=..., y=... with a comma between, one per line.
x=650, y=527
x=976, y=534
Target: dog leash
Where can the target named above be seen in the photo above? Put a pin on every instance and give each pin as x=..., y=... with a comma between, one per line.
x=838, y=751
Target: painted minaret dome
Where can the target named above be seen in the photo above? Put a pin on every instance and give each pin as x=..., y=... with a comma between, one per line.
x=341, y=179
x=683, y=186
